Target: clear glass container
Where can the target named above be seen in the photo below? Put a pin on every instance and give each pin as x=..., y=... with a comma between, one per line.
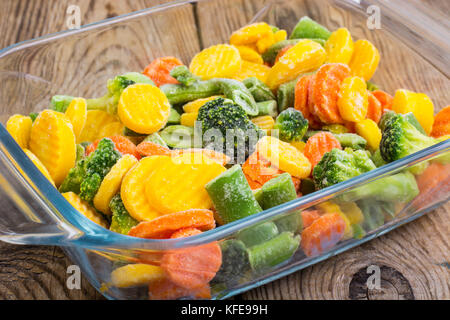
x=79, y=62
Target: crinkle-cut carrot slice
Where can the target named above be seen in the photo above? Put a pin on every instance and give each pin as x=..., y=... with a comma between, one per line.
x=353, y=99
x=39, y=165
x=123, y=145
x=433, y=183
x=213, y=155
x=165, y=289
x=305, y=56
x=132, y=190
x=85, y=209
x=110, y=185
x=164, y=226
x=384, y=98
x=77, y=114
x=193, y=267
x=284, y=156
x=159, y=70
x=179, y=183
x=219, y=61
x=365, y=59
x=148, y=149
x=143, y=108
x=19, y=127
x=327, y=83
x=323, y=234
x=309, y=216
x=52, y=140
x=441, y=126
x=374, y=110
x=318, y=145
x=95, y=121
x=250, y=34
x=249, y=54
x=112, y=129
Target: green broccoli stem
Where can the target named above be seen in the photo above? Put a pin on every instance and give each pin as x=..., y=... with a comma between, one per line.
x=400, y=187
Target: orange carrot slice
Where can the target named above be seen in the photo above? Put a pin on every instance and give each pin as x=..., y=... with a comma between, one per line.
x=323, y=234
x=194, y=267
x=433, y=182
x=159, y=70
x=164, y=226
x=123, y=145
x=309, y=216
x=441, y=126
x=385, y=99
x=148, y=149
x=318, y=145
x=374, y=110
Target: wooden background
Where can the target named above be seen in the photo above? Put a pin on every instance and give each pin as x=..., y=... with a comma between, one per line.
x=414, y=259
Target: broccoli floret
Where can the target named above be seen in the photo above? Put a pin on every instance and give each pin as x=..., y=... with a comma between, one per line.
x=400, y=138
x=121, y=221
x=98, y=166
x=115, y=87
x=400, y=187
x=75, y=177
x=226, y=127
x=338, y=166
x=183, y=75
x=291, y=124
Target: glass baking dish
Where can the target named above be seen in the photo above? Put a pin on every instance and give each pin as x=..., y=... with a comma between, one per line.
x=412, y=40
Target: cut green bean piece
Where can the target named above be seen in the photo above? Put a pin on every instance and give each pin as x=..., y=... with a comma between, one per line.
x=238, y=93
x=259, y=90
x=174, y=117
x=231, y=195
x=273, y=252
x=308, y=28
x=258, y=234
x=258, y=195
x=277, y=191
x=178, y=136
x=268, y=108
x=178, y=93
x=286, y=95
x=156, y=138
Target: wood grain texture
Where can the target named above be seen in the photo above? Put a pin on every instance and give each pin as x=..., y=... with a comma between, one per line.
x=414, y=259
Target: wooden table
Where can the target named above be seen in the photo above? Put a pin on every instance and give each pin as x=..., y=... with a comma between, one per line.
x=414, y=259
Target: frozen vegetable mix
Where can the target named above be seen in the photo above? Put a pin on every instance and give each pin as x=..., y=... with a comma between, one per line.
x=231, y=140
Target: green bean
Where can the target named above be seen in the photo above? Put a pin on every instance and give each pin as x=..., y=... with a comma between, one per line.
x=259, y=90
x=258, y=234
x=178, y=93
x=273, y=252
x=238, y=92
x=286, y=95
x=308, y=28
x=277, y=191
x=268, y=108
x=183, y=75
x=156, y=138
x=231, y=195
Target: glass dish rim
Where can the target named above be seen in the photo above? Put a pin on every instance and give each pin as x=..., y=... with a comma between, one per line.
x=95, y=236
